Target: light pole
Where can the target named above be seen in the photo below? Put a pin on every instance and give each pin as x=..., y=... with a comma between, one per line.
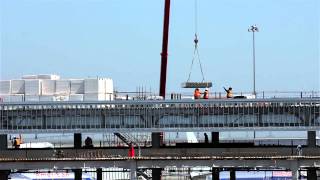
x=254, y=29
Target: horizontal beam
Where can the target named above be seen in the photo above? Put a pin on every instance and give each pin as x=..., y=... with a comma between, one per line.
x=141, y=130
x=161, y=163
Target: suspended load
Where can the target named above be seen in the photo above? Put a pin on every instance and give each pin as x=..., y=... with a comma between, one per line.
x=196, y=56
x=196, y=85
x=203, y=83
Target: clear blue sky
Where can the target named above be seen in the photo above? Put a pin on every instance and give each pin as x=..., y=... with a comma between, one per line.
x=121, y=39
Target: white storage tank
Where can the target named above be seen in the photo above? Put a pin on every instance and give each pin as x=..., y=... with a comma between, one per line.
x=29, y=77
x=5, y=87
x=94, y=85
x=48, y=76
x=32, y=98
x=63, y=87
x=77, y=86
x=94, y=97
x=17, y=86
x=76, y=97
x=109, y=86
x=32, y=87
x=48, y=87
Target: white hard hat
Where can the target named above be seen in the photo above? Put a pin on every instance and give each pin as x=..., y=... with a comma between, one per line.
x=206, y=89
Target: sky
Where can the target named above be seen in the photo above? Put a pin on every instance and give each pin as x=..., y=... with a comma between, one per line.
x=122, y=39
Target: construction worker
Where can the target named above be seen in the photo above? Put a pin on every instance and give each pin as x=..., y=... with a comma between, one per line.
x=16, y=142
x=206, y=139
x=131, y=150
x=206, y=94
x=197, y=93
x=229, y=92
x=88, y=142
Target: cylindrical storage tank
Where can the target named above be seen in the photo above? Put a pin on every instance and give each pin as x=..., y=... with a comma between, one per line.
x=5, y=87
x=32, y=87
x=63, y=87
x=17, y=86
x=48, y=87
x=94, y=85
x=77, y=86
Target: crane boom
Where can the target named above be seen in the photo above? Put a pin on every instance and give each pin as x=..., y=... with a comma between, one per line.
x=164, y=53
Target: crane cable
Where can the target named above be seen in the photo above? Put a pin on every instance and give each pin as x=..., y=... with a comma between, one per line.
x=196, y=40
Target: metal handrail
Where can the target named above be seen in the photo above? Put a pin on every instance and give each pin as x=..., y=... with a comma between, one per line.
x=181, y=101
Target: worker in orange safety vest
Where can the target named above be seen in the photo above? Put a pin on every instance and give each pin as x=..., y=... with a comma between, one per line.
x=229, y=92
x=197, y=93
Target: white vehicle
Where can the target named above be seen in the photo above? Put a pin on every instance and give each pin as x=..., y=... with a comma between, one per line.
x=36, y=145
x=47, y=176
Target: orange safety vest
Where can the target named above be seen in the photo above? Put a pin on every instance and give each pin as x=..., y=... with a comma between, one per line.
x=229, y=94
x=197, y=94
x=206, y=94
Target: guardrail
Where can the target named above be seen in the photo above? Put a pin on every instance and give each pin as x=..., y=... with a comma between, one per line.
x=162, y=115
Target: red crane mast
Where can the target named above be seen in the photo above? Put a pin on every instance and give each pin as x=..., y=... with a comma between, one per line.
x=164, y=53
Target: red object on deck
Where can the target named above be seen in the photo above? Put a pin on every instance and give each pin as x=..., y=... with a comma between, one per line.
x=164, y=53
x=131, y=151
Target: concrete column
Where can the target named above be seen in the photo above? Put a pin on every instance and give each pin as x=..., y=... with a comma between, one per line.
x=156, y=173
x=295, y=171
x=133, y=170
x=99, y=173
x=311, y=138
x=156, y=140
x=215, y=137
x=215, y=173
x=4, y=174
x=3, y=142
x=311, y=174
x=232, y=174
x=44, y=121
x=77, y=174
x=77, y=140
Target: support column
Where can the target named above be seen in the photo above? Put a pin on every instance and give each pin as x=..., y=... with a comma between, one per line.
x=156, y=173
x=77, y=174
x=311, y=174
x=77, y=141
x=99, y=173
x=215, y=173
x=232, y=174
x=3, y=142
x=156, y=140
x=295, y=171
x=44, y=121
x=133, y=170
x=4, y=174
x=215, y=137
x=311, y=138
